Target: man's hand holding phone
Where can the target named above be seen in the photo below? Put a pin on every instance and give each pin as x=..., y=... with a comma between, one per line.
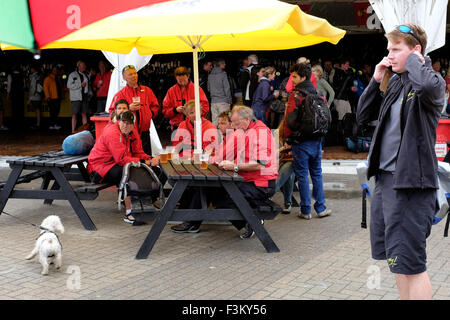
x=380, y=69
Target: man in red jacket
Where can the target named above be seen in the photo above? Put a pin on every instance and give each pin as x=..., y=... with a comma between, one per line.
x=117, y=146
x=142, y=102
x=178, y=95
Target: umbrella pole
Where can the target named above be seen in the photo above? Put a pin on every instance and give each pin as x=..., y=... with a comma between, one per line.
x=198, y=111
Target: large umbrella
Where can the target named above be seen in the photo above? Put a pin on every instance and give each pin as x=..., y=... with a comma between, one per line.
x=204, y=25
x=431, y=15
x=32, y=24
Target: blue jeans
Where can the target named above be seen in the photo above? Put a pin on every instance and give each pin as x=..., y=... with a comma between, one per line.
x=308, y=158
x=285, y=181
x=260, y=115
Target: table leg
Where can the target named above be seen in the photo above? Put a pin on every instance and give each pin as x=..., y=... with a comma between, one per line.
x=9, y=186
x=162, y=218
x=73, y=199
x=55, y=186
x=245, y=209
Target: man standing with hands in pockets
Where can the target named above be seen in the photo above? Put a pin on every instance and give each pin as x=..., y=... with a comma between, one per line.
x=402, y=157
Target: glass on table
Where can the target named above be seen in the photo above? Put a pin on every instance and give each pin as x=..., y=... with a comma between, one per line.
x=170, y=152
x=163, y=156
x=204, y=160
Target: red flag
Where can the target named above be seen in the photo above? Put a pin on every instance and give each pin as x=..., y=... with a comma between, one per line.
x=305, y=7
x=361, y=12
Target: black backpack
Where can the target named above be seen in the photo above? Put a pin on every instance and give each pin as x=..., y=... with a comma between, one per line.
x=139, y=181
x=311, y=118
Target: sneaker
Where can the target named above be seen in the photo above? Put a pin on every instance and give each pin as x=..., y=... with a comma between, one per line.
x=57, y=127
x=186, y=227
x=4, y=128
x=249, y=232
x=51, y=128
x=132, y=221
x=287, y=208
x=304, y=216
x=324, y=213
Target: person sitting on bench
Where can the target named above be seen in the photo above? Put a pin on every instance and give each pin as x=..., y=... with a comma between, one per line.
x=118, y=145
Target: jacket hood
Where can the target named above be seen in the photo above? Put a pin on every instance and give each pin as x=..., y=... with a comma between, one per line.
x=217, y=70
x=307, y=86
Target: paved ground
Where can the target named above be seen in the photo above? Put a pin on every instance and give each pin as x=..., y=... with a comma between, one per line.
x=325, y=258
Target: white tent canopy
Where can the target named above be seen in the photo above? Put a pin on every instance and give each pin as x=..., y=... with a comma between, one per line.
x=119, y=61
x=431, y=15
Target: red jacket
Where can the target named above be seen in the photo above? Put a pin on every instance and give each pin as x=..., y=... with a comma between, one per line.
x=175, y=98
x=149, y=105
x=102, y=92
x=185, y=136
x=255, y=144
x=112, y=148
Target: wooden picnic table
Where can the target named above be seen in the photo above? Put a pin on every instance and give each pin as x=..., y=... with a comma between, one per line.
x=183, y=176
x=57, y=166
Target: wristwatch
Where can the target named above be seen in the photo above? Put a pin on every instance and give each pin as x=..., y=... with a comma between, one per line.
x=236, y=168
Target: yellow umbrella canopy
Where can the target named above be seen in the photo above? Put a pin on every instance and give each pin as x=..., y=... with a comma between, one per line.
x=222, y=25
x=206, y=25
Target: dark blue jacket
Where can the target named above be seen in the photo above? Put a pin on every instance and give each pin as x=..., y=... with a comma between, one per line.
x=424, y=95
x=262, y=96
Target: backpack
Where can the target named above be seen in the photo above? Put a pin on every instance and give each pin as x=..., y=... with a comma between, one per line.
x=358, y=144
x=311, y=118
x=139, y=181
x=442, y=194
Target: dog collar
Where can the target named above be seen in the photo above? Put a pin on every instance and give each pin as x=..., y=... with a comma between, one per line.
x=45, y=230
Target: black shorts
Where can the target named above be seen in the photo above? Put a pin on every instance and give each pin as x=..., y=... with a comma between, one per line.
x=400, y=223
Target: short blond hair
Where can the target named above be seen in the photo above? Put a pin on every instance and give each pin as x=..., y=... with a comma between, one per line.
x=318, y=69
x=395, y=36
x=188, y=106
x=268, y=71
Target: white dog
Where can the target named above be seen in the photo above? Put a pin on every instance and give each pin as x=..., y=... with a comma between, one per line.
x=48, y=245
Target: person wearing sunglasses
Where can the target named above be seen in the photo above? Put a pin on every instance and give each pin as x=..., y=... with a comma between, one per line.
x=402, y=157
x=142, y=101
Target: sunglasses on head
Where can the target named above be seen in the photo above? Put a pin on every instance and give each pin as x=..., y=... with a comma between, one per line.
x=408, y=30
x=128, y=67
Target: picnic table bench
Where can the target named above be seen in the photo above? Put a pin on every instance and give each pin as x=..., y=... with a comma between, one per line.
x=57, y=166
x=183, y=176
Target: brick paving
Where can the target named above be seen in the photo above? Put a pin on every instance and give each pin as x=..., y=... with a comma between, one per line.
x=320, y=259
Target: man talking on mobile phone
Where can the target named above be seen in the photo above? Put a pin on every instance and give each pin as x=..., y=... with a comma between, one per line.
x=402, y=157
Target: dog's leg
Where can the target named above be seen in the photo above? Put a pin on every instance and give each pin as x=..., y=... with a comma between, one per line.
x=58, y=260
x=32, y=254
x=44, y=263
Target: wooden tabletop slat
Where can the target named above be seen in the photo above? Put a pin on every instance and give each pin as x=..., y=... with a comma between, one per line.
x=196, y=174
x=220, y=173
x=184, y=174
x=170, y=171
x=209, y=174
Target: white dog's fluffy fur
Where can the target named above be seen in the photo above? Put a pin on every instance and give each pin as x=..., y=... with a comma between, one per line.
x=48, y=245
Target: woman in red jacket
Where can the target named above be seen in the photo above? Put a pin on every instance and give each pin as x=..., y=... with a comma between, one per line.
x=184, y=137
x=117, y=146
